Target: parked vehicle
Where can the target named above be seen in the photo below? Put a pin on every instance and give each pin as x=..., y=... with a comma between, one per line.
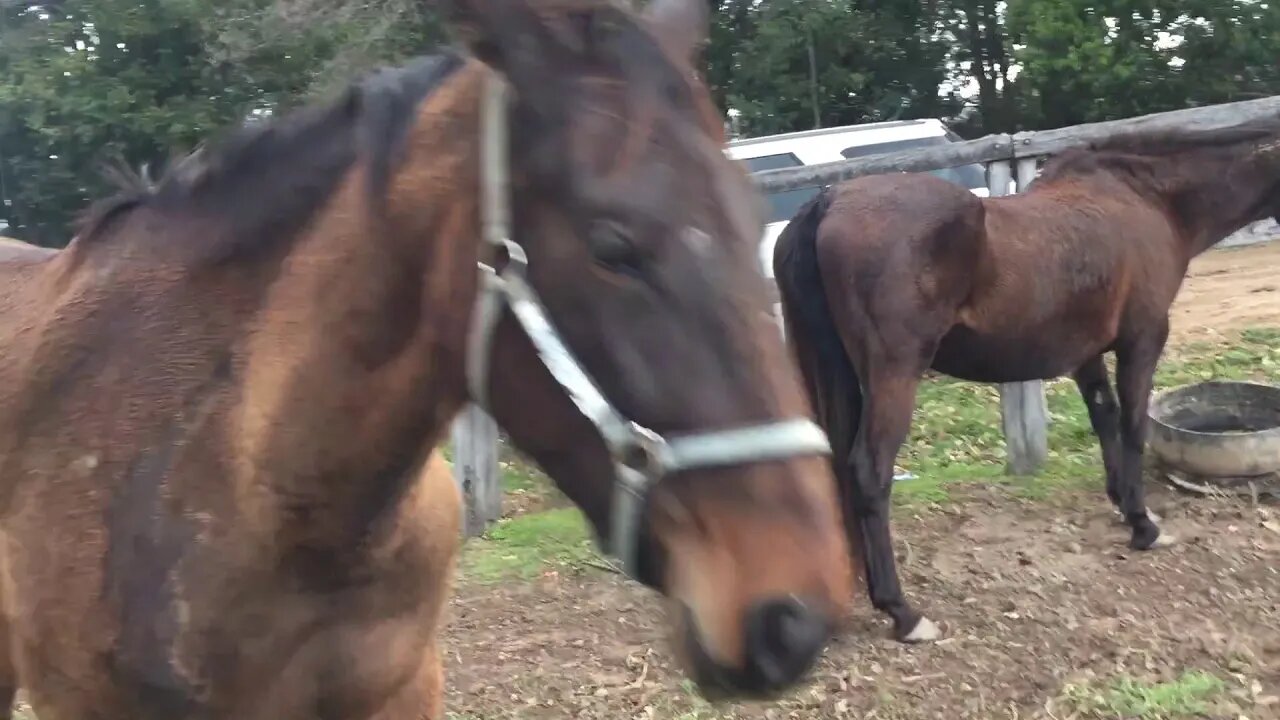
x=811, y=147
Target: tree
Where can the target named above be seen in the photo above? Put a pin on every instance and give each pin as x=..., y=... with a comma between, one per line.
x=1228, y=49
x=982, y=51
x=339, y=39
x=138, y=81
x=87, y=81
x=1085, y=60
x=796, y=64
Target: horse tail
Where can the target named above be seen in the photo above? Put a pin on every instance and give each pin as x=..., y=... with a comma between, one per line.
x=829, y=376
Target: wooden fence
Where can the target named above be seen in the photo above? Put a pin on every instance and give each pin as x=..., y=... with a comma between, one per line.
x=1011, y=162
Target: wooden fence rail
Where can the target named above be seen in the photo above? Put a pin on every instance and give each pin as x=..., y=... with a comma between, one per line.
x=1001, y=147
x=1011, y=162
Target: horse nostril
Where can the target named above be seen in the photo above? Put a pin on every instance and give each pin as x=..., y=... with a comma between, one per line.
x=784, y=638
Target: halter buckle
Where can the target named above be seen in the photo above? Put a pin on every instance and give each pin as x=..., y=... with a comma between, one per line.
x=643, y=451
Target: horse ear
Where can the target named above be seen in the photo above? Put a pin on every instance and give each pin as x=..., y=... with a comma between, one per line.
x=507, y=35
x=680, y=25
x=516, y=41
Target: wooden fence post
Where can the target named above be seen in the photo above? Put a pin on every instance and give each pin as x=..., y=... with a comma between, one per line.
x=475, y=469
x=1023, y=413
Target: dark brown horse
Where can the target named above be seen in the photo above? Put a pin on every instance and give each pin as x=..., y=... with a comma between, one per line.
x=883, y=278
x=217, y=404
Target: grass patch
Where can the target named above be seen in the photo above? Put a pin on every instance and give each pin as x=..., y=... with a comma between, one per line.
x=522, y=477
x=1191, y=695
x=528, y=545
x=956, y=436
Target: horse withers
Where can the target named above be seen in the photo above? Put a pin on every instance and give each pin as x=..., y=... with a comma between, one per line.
x=218, y=402
x=885, y=277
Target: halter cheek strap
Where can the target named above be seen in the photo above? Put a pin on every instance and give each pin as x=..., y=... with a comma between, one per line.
x=640, y=456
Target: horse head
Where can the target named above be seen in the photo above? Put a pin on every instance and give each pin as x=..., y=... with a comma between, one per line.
x=636, y=236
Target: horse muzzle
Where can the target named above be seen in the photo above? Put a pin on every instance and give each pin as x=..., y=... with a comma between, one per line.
x=783, y=638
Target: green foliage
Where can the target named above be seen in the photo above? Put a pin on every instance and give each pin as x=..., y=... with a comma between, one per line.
x=88, y=82
x=796, y=64
x=1084, y=61
x=1087, y=61
x=1035, y=63
x=83, y=82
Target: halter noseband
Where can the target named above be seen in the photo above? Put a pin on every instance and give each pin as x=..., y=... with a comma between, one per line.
x=640, y=456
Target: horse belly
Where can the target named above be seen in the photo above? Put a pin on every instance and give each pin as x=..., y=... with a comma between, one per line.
x=999, y=358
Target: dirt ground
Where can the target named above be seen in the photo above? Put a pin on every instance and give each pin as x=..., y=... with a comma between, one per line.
x=1033, y=596
x=1227, y=290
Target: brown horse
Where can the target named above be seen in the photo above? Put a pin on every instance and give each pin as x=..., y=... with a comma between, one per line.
x=883, y=278
x=217, y=402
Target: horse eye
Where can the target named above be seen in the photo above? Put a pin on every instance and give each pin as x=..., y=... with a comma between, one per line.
x=613, y=248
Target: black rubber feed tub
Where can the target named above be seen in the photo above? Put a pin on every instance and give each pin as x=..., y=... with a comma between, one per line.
x=1218, y=429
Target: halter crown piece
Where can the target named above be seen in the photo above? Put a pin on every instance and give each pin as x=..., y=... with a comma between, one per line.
x=640, y=456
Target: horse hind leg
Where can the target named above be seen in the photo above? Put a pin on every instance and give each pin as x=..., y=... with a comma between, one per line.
x=886, y=421
x=890, y=355
x=1135, y=370
x=863, y=429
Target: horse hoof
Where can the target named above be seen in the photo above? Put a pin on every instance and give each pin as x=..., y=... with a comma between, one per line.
x=924, y=631
x=1161, y=540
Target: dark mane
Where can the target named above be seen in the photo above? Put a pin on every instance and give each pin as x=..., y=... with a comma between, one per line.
x=268, y=179
x=1135, y=153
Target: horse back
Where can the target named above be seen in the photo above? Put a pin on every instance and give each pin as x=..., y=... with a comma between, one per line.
x=1070, y=245
x=1069, y=270
x=886, y=233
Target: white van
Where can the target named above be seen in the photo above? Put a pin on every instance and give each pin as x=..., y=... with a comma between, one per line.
x=812, y=147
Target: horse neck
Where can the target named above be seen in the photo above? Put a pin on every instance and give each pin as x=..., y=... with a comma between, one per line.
x=358, y=364
x=1213, y=194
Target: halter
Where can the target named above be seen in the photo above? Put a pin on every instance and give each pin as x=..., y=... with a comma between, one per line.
x=640, y=456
